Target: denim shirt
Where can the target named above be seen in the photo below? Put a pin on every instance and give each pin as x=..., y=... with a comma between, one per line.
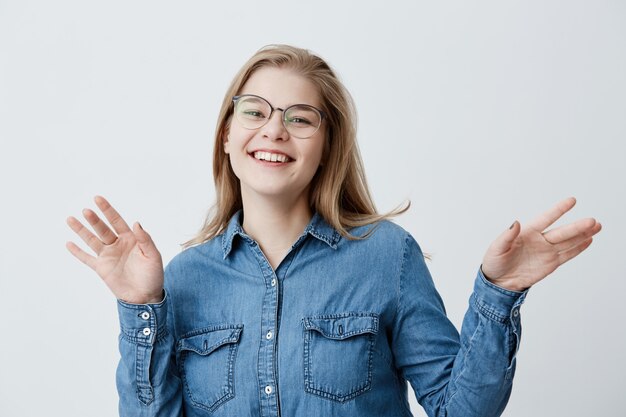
x=336, y=330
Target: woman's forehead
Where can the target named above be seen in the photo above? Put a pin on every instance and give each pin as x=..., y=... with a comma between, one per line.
x=282, y=87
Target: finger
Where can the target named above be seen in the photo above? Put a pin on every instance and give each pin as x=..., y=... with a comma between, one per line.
x=82, y=256
x=144, y=241
x=114, y=218
x=102, y=229
x=577, y=239
x=85, y=234
x=575, y=251
x=570, y=231
x=504, y=242
x=543, y=221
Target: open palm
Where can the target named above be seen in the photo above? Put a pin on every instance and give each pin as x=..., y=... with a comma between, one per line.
x=523, y=256
x=127, y=260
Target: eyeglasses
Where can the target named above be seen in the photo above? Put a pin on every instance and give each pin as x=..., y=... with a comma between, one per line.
x=300, y=120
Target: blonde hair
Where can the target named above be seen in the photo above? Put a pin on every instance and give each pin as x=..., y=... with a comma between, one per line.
x=339, y=191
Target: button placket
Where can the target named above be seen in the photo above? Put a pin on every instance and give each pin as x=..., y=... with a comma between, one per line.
x=266, y=365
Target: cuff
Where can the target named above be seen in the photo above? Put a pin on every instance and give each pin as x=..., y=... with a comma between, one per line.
x=495, y=302
x=143, y=323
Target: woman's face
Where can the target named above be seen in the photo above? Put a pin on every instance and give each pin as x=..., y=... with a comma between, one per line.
x=251, y=152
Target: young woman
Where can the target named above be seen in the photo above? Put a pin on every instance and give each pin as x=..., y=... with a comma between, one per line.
x=297, y=298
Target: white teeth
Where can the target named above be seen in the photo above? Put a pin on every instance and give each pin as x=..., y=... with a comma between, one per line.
x=272, y=157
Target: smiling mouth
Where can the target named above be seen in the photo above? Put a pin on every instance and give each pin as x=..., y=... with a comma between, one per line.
x=271, y=157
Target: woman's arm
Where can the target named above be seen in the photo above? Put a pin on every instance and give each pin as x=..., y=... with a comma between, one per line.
x=129, y=263
x=471, y=374
x=148, y=383
x=455, y=376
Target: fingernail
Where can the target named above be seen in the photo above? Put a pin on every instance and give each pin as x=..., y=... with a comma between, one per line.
x=513, y=225
x=139, y=224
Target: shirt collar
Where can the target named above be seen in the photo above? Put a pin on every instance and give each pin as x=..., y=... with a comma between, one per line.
x=317, y=227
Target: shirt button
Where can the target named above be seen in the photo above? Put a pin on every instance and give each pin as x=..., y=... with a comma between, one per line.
x=146, y=331
x=273, y=282
x=515, y=313
x=268, y=389
x=145, y=315
x=269, y=335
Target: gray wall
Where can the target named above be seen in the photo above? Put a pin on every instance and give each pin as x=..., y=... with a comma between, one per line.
x=479, y=112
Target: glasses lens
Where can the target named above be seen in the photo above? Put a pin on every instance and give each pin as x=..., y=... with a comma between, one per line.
x=302, y=121
x=252, y=112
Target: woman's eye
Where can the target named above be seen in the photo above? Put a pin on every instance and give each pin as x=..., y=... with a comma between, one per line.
x=299, y=120
x=253, y=113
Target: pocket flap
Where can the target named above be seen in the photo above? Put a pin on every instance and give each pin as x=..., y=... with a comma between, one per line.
x=205, y=341
x=344, y=325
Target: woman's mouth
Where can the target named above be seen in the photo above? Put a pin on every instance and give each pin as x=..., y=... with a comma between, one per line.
x=271, y=157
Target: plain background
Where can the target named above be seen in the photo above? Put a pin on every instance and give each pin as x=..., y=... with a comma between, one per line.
x=480, y=113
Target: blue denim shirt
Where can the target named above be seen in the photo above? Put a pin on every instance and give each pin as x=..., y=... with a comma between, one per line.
x=336, y=330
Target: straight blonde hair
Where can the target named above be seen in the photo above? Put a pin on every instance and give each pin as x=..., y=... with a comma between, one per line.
x=339, y=191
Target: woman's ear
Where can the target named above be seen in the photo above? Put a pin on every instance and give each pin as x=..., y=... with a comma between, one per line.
x=226, y=136
x=226, y=142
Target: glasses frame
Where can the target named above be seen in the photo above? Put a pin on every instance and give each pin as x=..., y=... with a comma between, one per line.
x=267, y=119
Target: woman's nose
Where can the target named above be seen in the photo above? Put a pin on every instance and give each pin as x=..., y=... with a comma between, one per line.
x=274, y=129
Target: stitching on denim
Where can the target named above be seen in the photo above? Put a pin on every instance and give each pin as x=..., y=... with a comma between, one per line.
x=517, y=332
x=344, y=315
x=296, y=249
x=126, y=335
x=264, y=266
x=308, y=365
x=399, y=308
x=470, y=344
x=373, y=328
x=331, y=240
x=345, y=335
x=144, y=391
x=488, y=312
x=402, y=269
x=212, y=328
x=228, y=393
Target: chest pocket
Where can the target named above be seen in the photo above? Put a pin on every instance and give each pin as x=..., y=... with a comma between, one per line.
x=338, y=354
x=206, y=360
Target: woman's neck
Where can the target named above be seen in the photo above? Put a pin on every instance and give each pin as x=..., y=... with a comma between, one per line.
x=275, y=224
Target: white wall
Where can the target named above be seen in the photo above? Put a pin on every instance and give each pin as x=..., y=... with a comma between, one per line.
x=479, y=112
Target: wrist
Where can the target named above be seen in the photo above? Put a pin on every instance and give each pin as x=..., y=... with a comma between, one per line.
x=148, y=299
x=509, y=284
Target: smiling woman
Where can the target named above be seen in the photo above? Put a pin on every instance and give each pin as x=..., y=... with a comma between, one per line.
x=254, y=147
x=297, y=297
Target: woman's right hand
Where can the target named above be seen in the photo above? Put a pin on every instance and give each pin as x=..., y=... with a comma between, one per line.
x=127, y=260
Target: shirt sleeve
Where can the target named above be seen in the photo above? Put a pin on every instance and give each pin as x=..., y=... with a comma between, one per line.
x=455, y=375
x=147, y=379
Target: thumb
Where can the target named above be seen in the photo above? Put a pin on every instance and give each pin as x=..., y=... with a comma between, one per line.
x=504, y=242
x=144, y=241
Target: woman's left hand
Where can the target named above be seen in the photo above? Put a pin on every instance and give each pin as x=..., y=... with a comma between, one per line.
x=523, y=256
